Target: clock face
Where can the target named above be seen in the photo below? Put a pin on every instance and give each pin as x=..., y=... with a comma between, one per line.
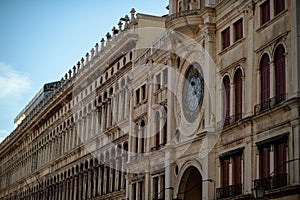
x=192, y=95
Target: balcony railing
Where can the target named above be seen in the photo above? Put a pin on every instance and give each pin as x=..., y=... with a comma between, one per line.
x=229, y=120
x=269, y=103
x=229, y=191
x=272, y=182
x=183, y=14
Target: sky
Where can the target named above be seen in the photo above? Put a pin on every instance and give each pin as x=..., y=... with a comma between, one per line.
x=40, y=40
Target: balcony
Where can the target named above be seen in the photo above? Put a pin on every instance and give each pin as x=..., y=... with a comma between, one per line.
x=140, y=109
x=229, y=120
x=269, y=104
x=190, y=19
x=160, y=96
x=229, y=191
x=272, y=182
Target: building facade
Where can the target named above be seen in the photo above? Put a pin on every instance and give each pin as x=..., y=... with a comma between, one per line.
x=202, y=103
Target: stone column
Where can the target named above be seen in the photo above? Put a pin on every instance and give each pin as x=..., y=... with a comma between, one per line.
x=67, y=188
x=75, y=190
x=95, y=179
x=272, y=79
x=84, y=184
x=100, y=180
x=114, y=110
x=170, y=89
x=80, y=185
x=126, y=103
x=105, y=180
x=120, y=104
x=89, y=184
x=117, y=169
x=108, y=114
x=147, y=185
x=103, y=121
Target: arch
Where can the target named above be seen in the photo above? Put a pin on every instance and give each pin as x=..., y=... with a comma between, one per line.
x=190, y=185
x=280, y=72
x=226, y=98
x=264, y=68
x=238, y=82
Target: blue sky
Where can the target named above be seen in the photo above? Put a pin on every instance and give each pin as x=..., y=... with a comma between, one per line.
x=41, y=40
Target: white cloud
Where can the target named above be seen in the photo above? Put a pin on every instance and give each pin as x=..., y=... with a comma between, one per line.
x=12, y=83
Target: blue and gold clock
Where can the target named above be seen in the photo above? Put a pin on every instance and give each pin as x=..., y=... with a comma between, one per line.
x=192, y=93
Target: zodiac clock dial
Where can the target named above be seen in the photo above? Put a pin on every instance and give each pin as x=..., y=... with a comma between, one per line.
x=192, y=95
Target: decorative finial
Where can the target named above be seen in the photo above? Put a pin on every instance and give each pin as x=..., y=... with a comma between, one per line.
x=82, y=61
x=102, y=43
x=97, y=47
x=78, y=66
x=92, y=52
x=120, y=25
x=87, y=56
x=115, y=31
x=70, y=74
x=66, y=76
x=132, y=12
x=74, y=70
x=108, y=36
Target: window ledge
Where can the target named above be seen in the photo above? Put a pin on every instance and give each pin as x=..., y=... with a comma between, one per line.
x=232, y=46
x=279, y=15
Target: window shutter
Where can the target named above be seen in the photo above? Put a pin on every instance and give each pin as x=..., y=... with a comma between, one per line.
x=226, y=103
x=238, y=169
x=225, y=172
x=265, y=79
x=279, y=6
x=265, y=162
x=281, y=158
x=225, y=38
x=279, y=62
x=238, y=29
x=238, y=94
x=265, y=12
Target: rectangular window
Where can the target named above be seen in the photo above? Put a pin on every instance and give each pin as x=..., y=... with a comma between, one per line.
x=158, y=83
x=144, y=92
x=265, y=162
x=165, y=76
x=237, y=169
x=155, y=188
x=278, y=6
x=225, y=172
x=225, y=38
x=137, y=96
x=265, y=12
x=141, y=192
x=238, y=30
x=134, y=191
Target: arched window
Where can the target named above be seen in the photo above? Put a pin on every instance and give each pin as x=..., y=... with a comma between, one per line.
x=238, y=82
x=164, y=129
x=279, y=61
x=226, y=99
x=265, y=81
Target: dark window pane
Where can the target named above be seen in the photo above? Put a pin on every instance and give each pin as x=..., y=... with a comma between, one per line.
x=278, y=6
x=238, y=28
x=225, y=38
x=265, y=12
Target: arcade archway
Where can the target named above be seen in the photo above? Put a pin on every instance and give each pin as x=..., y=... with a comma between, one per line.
x=190, y=187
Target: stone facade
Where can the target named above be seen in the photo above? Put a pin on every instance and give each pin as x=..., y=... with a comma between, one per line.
x=127, y=122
